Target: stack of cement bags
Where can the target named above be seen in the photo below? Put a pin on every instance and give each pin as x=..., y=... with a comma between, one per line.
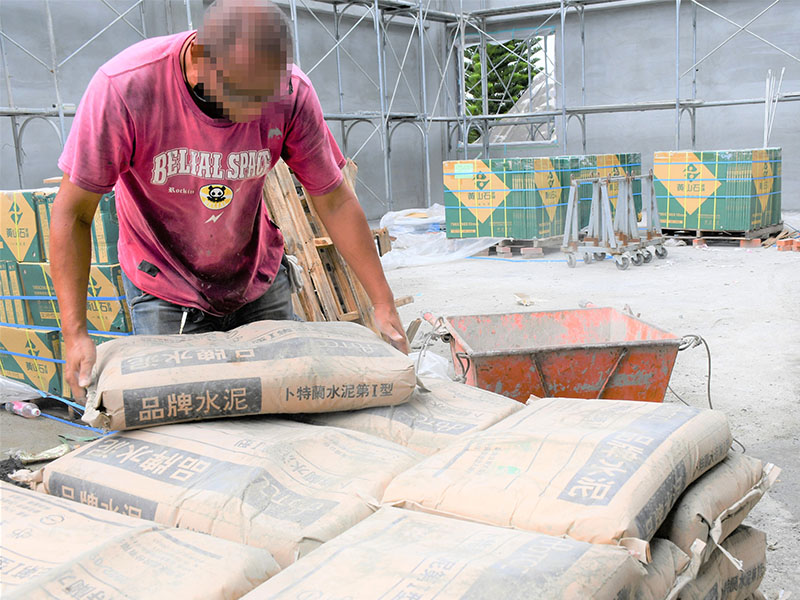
x=53, y=548
x=609, y=472
x=729, y=561
x=437, y=414
x=410, y=489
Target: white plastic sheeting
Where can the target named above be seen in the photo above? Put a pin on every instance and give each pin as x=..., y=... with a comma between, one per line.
x=419, y=239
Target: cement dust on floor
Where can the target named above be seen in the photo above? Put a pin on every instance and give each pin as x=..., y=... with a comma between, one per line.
x=743, y=302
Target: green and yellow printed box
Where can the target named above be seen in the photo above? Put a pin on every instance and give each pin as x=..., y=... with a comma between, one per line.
x=13, y=309
x=526, y=198
x=105, y=227
x=105, y=281
x=519, y=198
x=31, y=355
x=19, y=233
x=607, y=165
x=724, y=190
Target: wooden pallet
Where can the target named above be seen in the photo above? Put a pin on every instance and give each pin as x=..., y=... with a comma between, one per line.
x=521, y=248
x=755, y=234
x=331, y=292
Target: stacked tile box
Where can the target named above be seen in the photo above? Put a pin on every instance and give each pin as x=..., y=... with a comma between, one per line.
x=722, y=190
x=525, y=198
x=30, y=322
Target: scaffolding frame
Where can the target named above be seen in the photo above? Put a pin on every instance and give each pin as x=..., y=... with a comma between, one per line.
x=448, y=107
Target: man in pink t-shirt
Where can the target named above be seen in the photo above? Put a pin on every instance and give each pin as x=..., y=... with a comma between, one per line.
x=185, y=128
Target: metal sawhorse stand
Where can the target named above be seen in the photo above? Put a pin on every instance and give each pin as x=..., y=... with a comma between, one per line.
x=616, y=235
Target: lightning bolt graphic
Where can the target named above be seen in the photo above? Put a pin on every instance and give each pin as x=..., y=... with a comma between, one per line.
x=213, y=218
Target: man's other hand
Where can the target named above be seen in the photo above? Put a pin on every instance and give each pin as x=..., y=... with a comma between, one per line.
x=389, y=323
x=81, y=356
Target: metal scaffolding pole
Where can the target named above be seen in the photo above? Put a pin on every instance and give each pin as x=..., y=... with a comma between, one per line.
x=677, y=74
x=423, y=90
x=384, y=128
x=14, y=125
x=336, y=22
x=462, y=76
x=563, y=77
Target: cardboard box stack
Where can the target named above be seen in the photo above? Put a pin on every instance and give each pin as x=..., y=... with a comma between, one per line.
x=526, y=198
x=30, y=323
x=725, y=190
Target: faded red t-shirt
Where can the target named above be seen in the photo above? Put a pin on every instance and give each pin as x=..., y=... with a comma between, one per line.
x=188, y=187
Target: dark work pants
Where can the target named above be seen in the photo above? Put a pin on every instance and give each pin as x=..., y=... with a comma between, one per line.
x=154, y=316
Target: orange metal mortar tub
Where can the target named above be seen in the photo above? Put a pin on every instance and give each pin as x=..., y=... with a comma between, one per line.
x=583, y=353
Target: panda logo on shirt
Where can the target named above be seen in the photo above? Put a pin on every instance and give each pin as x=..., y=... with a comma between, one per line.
x=216, y=196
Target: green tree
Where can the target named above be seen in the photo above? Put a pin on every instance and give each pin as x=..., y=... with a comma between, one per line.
x=506, y=76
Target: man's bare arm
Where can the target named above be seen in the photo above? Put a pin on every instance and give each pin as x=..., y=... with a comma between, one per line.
x=347, y=225
x=70, y=256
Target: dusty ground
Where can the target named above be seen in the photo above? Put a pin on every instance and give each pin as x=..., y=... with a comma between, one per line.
x=745, y=303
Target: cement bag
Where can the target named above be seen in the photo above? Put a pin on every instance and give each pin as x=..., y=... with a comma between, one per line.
x=278, y=485
x=435, y=416
x=600, y=471
x=404, y=554
x=56, y=549
x=664, y=571
x=720, y=579
x=265, y=367
x=717, y=503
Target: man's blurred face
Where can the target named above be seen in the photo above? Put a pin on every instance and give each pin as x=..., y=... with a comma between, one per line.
x=243, y=84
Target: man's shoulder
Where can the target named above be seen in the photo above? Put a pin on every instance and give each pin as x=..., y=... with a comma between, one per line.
x=144, y=54
x=300, y=81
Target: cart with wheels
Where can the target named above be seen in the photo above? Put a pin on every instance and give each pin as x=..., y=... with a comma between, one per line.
x=618, y=235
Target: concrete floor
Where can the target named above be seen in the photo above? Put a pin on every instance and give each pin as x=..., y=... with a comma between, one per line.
x=743, y=302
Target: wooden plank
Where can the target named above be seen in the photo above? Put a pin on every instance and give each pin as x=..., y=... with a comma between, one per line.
x=281, y=199
x=382, y=240
x=403, y=300
x=338, y=279
x=351, y=286
x=314, y=268
x=323, y=242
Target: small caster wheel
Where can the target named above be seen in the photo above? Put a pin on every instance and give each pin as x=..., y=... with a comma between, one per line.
x=571, y=262
x=648, y=256
x=661, y=252
x=587, y=258
x=623, y=262
x=637, y=259
x=599, y=255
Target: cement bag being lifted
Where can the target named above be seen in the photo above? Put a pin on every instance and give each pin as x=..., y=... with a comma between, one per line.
x=404, y=554
x=266, y=367
x=265, y=482
x=56, y=549
x=717, y=503
x=720, y=579
x=435, y=416
x=601, y=471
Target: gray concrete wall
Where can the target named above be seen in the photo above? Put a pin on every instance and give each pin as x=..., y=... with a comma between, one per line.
x=32, y=86
x=360, y=94
x=75, y=21
x=630, y=57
